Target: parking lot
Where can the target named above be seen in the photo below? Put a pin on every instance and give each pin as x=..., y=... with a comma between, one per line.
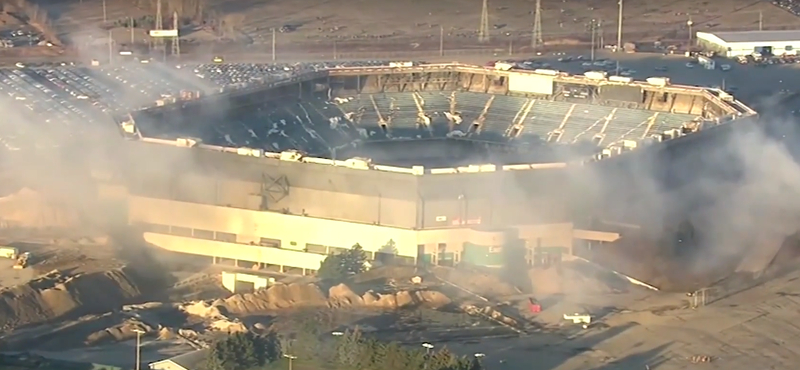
x=48, y=104
x=749, y=83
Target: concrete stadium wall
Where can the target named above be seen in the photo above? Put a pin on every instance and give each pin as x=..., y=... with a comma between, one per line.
x=230, y=280
x=247, y=226
x=234, y=251
x=350, y=207
x=302, y=242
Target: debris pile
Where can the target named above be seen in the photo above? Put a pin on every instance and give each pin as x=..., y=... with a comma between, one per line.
x=56, y=294
x=281, y=296
x=490, y=313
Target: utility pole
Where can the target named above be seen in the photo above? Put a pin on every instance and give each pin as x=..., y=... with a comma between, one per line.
x=593, y=25
x=619, y=28
x=159, y=25
x=441, y=41
x=176, y=41
x=273, y=56
x=110, y=48
x=105, y=17
x=483, y=31
x=760, y=20
x=689, y=23
x=130, y=25
x=536, y=37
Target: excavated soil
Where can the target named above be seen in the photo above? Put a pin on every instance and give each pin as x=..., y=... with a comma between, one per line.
x=56, y=295
x=293, y=296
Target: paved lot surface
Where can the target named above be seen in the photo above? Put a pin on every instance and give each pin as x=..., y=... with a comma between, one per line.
x=752, y=330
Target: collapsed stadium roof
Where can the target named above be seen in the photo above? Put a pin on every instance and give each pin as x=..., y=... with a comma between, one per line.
x=353, y=116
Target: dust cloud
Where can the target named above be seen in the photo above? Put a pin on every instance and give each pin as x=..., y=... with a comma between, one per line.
x=706, y=203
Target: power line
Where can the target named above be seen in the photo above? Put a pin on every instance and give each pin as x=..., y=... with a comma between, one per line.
x=483, y=31
x=536, y=38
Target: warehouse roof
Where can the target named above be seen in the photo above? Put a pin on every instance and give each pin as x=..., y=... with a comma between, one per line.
x=758, y=36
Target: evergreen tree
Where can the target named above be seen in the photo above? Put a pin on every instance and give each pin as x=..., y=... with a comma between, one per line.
x=337, y=267
x=243, y=351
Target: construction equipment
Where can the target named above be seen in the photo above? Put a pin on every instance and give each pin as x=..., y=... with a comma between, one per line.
x=22, y=261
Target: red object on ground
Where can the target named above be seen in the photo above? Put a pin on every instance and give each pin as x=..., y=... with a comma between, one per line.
x=534, y=307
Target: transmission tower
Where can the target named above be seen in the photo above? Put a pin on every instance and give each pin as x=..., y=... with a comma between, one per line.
x=159, y=20
x=483, y=31
x=176, y=42
x=536, y=39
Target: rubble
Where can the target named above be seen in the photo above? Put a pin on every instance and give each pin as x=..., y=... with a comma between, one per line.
x=57, y=294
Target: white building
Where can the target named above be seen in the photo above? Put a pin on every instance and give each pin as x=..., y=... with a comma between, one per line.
x=733, y=44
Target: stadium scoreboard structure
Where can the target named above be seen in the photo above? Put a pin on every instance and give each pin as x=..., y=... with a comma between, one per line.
x=442, y=161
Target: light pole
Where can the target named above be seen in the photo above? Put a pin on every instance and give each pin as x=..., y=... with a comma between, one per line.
x=441, y=41
x=139, y=333
x=291, y=358
x=273, y=53
x=428, y=347
x=690, y=24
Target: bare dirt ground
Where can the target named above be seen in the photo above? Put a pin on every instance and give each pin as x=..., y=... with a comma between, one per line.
x=360, y=25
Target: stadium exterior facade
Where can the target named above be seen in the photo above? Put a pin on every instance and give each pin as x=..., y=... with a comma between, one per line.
x=290, y=210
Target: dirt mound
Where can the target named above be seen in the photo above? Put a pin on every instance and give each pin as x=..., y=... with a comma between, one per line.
x=30, y=209
x=117, y=333
x=276, y=297
x=55, y=295
x=404, y=298
x=342, y=296
x=281, y=296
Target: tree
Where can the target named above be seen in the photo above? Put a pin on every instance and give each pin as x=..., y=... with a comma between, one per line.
x=387, y=252
x=340, y=266
x=243, y=351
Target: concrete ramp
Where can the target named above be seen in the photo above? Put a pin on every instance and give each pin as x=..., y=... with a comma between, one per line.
x=761, y=254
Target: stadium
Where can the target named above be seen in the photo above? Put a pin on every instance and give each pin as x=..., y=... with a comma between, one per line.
x=437, y=163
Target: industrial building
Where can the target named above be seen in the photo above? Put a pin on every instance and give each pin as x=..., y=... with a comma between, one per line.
x=291, y=184
x=734, y=44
